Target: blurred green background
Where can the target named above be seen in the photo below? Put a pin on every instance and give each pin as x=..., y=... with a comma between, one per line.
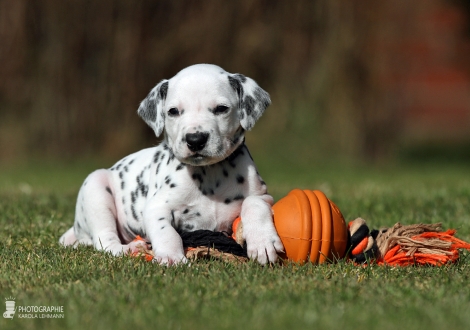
x=376, y=82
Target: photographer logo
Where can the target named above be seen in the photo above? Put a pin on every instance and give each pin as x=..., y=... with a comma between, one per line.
x=32, y=312
x=10, y=305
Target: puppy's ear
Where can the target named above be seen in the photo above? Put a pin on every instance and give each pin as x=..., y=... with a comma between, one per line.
x=151, y=108
x=253, y=100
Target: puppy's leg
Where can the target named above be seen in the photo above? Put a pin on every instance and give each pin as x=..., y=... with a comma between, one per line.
x=261, y=237
x=166, y=242
x=96, y=216
x=68, y=238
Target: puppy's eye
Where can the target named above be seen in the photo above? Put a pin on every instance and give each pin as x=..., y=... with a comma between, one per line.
x=173, y=112
x=220, y=109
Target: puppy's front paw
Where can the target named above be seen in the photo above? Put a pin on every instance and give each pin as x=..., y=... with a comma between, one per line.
x=264, y=247
x=137, y=246
x=169, y=259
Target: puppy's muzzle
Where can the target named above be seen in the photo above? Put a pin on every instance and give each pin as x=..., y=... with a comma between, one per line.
x=196, y=141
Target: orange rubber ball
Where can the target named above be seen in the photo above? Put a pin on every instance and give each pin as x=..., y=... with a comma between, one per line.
x=310, y=226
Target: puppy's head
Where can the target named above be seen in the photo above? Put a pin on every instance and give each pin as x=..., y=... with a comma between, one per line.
x=204, y=112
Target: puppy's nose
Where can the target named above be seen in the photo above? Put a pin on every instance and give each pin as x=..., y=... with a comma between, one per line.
x=196, y=141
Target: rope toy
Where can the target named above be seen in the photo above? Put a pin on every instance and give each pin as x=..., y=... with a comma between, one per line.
x=202, y=244
x=399, y=245
x=420, y=244
x=312, y=229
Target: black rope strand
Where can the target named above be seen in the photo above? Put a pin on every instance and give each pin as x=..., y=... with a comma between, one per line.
x=217, y=240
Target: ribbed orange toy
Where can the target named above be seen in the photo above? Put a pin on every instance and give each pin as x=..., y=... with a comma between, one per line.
x=311, y=227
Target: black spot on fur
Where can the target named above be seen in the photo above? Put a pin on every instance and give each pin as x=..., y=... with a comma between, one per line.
x=122, y=185
x=160, y=219
x=185, y=211
x=156, y=156
x=227, y=201
x=134, y=214
x=147, y=109
x=173, y=220
x=126, y=169
x=238, y=197
x=123, y=201
x=172, y=185
x=224, y=171
x=121, y=175
x=158, y=168
x=130, y=163
x=237, y=137
x=172, y=156
x=238, y=152
x=240, y=179
x=197, y=176
x=180, y=166
x=217, y=184
x=188, y=227
x=163, y=90
x=240, y=77
x=109, y=191
x=133, y=197
x=198, y=214
x=262, y=97
x=235, y=84
x=248, y=105
x=141, y=186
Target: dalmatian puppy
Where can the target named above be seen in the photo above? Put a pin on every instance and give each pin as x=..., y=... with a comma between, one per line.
x=201, y=176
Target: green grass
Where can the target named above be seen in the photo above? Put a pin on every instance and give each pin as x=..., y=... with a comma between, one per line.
x=101, y=292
